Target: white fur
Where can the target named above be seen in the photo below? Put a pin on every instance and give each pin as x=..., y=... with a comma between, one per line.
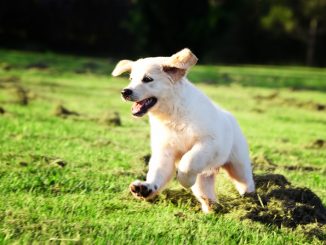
x=189, y=133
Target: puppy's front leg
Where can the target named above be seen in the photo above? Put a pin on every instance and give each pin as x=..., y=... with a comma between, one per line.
x=161, y=169
x=195, y=161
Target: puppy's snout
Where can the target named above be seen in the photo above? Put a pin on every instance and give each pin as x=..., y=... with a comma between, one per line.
x=126, y=93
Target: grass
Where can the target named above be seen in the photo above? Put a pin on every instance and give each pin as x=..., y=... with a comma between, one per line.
x=64, y=178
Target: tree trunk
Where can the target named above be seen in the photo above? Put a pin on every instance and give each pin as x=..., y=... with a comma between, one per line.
x=311, y=42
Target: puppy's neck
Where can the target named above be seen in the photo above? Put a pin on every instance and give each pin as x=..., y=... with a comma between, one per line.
x=171, y=108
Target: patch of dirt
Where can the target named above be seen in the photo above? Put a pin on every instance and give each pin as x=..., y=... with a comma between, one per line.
x=80, y=71
x=145, y=159
x=8, y=80
x=270, y=96
x=275, y=202
x=58, y=162
x=261, y=162
x=313, y=230
x=258, y=110
x=301, y=168
x=317, y=144
x=180, y=215
x=307, y=104
x=111, y=119
x=320, y=107
x=179, y=196
x=6, y=66
x=87, y=67
x=61, y=111
x=101, y=142
x=285, y=140
x=277, y=99
x=108, y=118
x=21, y=95
x=266, y=181
x=41, y=65
x=2, y=110
x=40, y=160
x=91, y=65
x=23, y=164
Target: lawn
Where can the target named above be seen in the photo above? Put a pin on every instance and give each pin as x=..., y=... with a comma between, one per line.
x=70, y=148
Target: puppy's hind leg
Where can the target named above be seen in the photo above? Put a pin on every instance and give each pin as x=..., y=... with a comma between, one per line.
x=238, y=165
x=240, y=173
x=238, y=168
x=204, y=190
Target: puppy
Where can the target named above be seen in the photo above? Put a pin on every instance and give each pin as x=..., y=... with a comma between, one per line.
x=189, y=134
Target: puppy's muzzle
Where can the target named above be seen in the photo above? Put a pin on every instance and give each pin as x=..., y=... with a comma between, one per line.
x=126, y=93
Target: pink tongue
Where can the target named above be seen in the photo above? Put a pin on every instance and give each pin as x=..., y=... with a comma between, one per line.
x=136, y=107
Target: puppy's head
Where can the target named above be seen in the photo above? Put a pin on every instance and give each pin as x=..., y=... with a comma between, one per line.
x=152, y=79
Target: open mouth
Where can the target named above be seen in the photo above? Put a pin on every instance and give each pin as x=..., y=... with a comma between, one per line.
x=140, y=108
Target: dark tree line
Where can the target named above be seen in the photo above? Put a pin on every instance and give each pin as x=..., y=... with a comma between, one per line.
x=219, y=31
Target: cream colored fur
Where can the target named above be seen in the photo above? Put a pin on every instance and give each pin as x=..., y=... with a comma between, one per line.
x=190, y=135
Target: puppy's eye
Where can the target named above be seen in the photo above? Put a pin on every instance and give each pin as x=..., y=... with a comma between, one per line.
x=147, y=79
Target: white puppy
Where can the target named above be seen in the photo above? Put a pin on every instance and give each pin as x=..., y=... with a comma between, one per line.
x=188, y=132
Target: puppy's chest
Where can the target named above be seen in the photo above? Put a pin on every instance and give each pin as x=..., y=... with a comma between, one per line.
x=180, y=136
x=182, y=139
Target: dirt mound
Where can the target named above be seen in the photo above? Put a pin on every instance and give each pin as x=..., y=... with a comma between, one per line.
x=111, y=118
x=21, y=95
x=270, y=96
x=179, y=196
x=306, y=104
x=277, y=99
x=145, y=159
x=88, y=67
x=41, y=65
x=277, y=202
x=6, y=66
x=9, y=80
x=61, y=111
x=301, y=168
x=261, y=162
x=2, y=110
x=317, y=144
x=38, y=160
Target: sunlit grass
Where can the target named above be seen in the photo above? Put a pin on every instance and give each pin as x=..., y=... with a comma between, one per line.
x=280, y=110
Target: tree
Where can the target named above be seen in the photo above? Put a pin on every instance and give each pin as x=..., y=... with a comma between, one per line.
x=302, y=19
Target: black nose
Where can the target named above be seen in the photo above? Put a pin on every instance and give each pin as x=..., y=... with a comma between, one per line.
x=126, y=92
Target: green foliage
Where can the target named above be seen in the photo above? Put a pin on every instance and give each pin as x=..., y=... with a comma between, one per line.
x=291, y=16
x=314, y=9
x=242, y=31
x=279, y=15
x=64, y=178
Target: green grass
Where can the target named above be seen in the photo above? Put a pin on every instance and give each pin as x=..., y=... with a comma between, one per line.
x=280, y=110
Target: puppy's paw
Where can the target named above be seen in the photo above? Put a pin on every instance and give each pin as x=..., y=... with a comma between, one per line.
x=186, y=179
x=143, y=190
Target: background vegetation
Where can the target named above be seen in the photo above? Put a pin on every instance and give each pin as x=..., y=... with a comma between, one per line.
x=218, y=31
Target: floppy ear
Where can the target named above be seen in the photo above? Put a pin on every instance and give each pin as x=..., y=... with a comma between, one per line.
x=122, y=67
x=175, y=73
x=184, y=59
x=178, y=64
